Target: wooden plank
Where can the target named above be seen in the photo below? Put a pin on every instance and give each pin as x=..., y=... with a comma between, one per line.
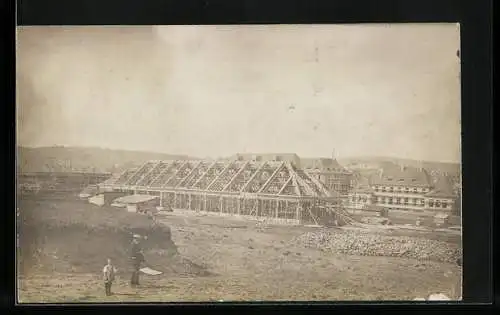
x=146, y=174
x=220, y=174
x=205, y=174
x=175, y=174
x=236, y=175
x=135, y=173
x=189, y=174
x=285, y=185
x=319, y=184
x=293, y=175
x=253, y=176
x=279, y=168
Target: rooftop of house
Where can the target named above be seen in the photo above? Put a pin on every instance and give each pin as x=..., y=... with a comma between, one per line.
x=322, y=164
x=442, y=187
x=362, y=185
x=401, y=176
x=291, y=157
x=135, y=199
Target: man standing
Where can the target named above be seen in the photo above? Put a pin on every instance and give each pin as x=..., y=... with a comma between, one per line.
x=109, y=276
x=137, y=258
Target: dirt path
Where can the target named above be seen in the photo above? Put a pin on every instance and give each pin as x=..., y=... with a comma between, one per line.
x=248, y=262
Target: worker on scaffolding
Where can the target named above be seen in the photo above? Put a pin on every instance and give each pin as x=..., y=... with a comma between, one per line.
x=137, y=258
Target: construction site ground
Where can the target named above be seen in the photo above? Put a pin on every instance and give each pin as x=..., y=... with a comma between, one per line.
x=248, y=261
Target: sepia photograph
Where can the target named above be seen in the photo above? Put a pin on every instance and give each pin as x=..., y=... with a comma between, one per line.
x=224, y=163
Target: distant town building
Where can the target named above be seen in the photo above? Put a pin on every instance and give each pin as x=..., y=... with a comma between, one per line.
x=405, y=189
x=362, y=195
x=269, y=157
x=333, y=175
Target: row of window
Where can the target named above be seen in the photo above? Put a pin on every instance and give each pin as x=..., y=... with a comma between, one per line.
x=400, y=189
x=438, y=204
x=333, y=181
x=358, y=199
x=405, y=201
x=337, y=187
x=413, y=201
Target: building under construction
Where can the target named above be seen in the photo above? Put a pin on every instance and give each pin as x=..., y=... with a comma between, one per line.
x=273, y=188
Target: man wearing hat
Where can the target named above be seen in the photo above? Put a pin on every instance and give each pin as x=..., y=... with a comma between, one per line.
x=137, y=258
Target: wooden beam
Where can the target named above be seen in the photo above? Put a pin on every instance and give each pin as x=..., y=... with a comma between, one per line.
x=285, y=185
x=279, y=168
x=175, y=173
x=253, y=176
x=253, y=212
x=303, y=182
x=205, y=174
x=135, y=173
x=312, y=215
x=296, y=186
x=236, y=175
x=220, y=174
x=146, y=174
x=294, y=176
x=298, y=212
x=168, y=168
x=319, y=184
x=189, y=174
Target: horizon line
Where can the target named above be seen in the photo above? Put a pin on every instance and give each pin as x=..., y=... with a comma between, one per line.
x=211, y=157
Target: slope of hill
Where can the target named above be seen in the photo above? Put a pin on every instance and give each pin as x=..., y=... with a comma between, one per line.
x=450, y=168
x=62, y=159
x=77, y=237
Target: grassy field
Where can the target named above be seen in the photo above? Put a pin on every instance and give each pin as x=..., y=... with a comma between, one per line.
x=221, y=258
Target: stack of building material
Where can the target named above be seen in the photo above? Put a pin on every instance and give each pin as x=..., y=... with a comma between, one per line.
x=370, y=244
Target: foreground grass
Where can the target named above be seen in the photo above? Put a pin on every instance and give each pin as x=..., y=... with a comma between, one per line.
x=248, y=263
x=357, y=279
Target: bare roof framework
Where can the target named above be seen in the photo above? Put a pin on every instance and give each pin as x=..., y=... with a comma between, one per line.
x=261, y=178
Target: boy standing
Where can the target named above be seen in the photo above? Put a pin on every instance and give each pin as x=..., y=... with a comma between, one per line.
x=109, y=276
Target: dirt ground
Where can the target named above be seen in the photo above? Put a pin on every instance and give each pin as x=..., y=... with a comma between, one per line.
x=250, y=262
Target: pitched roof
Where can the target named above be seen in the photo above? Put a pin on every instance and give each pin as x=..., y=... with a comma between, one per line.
x=443, y=188
x=321, y=163
x=363, y=185
x=396, y=176
x=133, y=199
x=291, y=157
x=232, y=176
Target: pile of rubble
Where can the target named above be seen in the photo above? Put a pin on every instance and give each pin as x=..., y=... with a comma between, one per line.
x=370, y=244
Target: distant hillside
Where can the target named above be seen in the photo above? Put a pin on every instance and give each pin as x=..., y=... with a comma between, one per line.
x=450, y=168
x=65, y=159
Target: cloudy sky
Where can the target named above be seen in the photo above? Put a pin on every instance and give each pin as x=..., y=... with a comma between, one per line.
x=390, y=90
